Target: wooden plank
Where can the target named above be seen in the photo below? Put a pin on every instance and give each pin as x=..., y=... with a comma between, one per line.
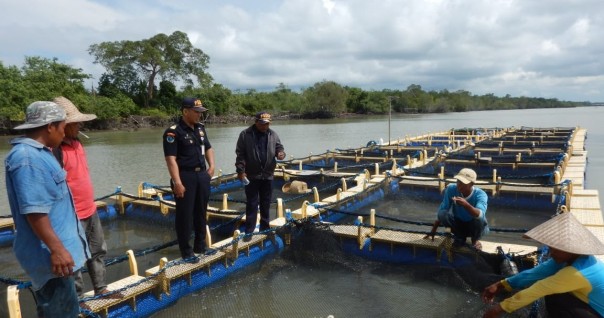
x=585, y=203
x=405, y=238
x=491, y=247
x=588, y=217
x=138, y=285
x=350, y=230
x=7, y=223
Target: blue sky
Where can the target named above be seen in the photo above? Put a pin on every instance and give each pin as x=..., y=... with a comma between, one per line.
x=535, y=48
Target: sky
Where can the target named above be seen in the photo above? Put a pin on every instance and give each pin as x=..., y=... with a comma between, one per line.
x=533, y=48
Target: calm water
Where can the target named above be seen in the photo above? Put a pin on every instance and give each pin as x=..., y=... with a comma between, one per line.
x=278, y=287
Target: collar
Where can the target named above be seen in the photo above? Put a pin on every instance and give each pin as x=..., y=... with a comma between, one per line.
x=27, y=141
x=184, y=125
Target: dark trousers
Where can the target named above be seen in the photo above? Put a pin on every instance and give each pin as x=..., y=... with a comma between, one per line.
x=258, y=193
x=98, y=249
x=191, y=211
x=568, y=306
x=462, y=230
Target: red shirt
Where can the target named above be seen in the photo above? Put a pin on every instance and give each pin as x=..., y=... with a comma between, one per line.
x=78, y=178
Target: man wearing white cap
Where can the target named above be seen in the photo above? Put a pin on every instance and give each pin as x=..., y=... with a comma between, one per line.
x=572, y=280
x=72, y=157
x=49, y=244
x=463, y=209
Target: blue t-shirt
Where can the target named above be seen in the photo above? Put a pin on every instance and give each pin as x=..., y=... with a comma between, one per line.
x=478, y=199
x=35, y=183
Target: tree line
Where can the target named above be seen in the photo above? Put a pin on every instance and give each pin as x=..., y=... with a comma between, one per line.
x=141, y=79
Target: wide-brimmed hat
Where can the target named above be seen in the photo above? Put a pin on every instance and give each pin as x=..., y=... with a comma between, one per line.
x=295, y=187
x=564, y=232
x=466, y=175
x=42, y=113
x=73, y=114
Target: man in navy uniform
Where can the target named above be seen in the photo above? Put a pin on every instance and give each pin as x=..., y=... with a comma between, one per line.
x=187, y=149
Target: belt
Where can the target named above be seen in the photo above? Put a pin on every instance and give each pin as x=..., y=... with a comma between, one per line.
x=196, y=169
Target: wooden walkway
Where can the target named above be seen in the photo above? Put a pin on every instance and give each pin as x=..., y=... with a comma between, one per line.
x=582, y=203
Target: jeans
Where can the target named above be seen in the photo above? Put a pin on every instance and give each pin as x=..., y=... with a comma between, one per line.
x=57, y=298
x=98, y=249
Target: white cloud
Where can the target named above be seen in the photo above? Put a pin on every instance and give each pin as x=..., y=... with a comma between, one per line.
x=528, y=47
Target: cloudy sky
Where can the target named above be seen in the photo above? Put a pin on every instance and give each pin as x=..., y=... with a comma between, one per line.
x=536, y=48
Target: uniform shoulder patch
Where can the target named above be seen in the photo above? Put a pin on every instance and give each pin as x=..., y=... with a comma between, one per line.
x=173, y=127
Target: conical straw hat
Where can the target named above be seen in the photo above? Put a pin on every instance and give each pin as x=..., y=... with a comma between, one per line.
x=73, y=114
x=564, y=232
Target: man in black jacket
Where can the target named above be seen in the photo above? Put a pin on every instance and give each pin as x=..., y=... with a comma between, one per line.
x=257, y=149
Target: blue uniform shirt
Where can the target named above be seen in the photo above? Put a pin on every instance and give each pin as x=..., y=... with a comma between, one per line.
x=187, y=145
x=35, y=183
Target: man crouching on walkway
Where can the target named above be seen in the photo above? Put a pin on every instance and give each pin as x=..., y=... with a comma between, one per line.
x=463, y=209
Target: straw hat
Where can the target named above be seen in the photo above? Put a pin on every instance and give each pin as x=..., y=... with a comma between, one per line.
x=73, y=114
x=295, y=187
x=564, y=232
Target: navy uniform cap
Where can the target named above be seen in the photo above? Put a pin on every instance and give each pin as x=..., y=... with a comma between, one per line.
x=193, y=103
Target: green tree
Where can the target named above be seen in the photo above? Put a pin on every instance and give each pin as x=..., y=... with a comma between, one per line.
x=171, y=57
x=326, y=99
x=48, y=79
x=13, y=93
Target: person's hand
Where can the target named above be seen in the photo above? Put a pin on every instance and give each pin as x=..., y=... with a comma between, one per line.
x=62, y=263
x=281, y=155
x=490, y=291
x=493, y=312
x=461, y=201
x=241, y=175
x=210, y=171
x=179, y=190
x=430, y=235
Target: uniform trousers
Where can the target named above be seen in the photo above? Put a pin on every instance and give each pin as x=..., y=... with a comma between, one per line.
x=191, y=211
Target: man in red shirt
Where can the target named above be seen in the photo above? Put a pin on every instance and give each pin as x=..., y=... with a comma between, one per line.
x=72, y=157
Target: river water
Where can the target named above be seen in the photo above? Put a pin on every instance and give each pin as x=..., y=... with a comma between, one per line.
x=126, y=158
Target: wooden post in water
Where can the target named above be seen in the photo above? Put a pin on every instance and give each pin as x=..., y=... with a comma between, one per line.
x=360, y=232
x=225, y=201
x=279, y=208
x=316, y=194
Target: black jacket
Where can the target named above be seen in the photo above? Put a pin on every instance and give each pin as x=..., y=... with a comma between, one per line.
x=248, y=159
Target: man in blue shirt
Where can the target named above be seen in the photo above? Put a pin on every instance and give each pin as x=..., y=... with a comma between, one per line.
x=49, y=243
x=463, y=209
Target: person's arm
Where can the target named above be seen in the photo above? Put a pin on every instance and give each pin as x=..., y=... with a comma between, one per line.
x=476, y=209
x=210, y=160
x=433, y=231
x=178, y=187
x=61, y=261
x=565, y=280
x=279, y=149
x=240, y=156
